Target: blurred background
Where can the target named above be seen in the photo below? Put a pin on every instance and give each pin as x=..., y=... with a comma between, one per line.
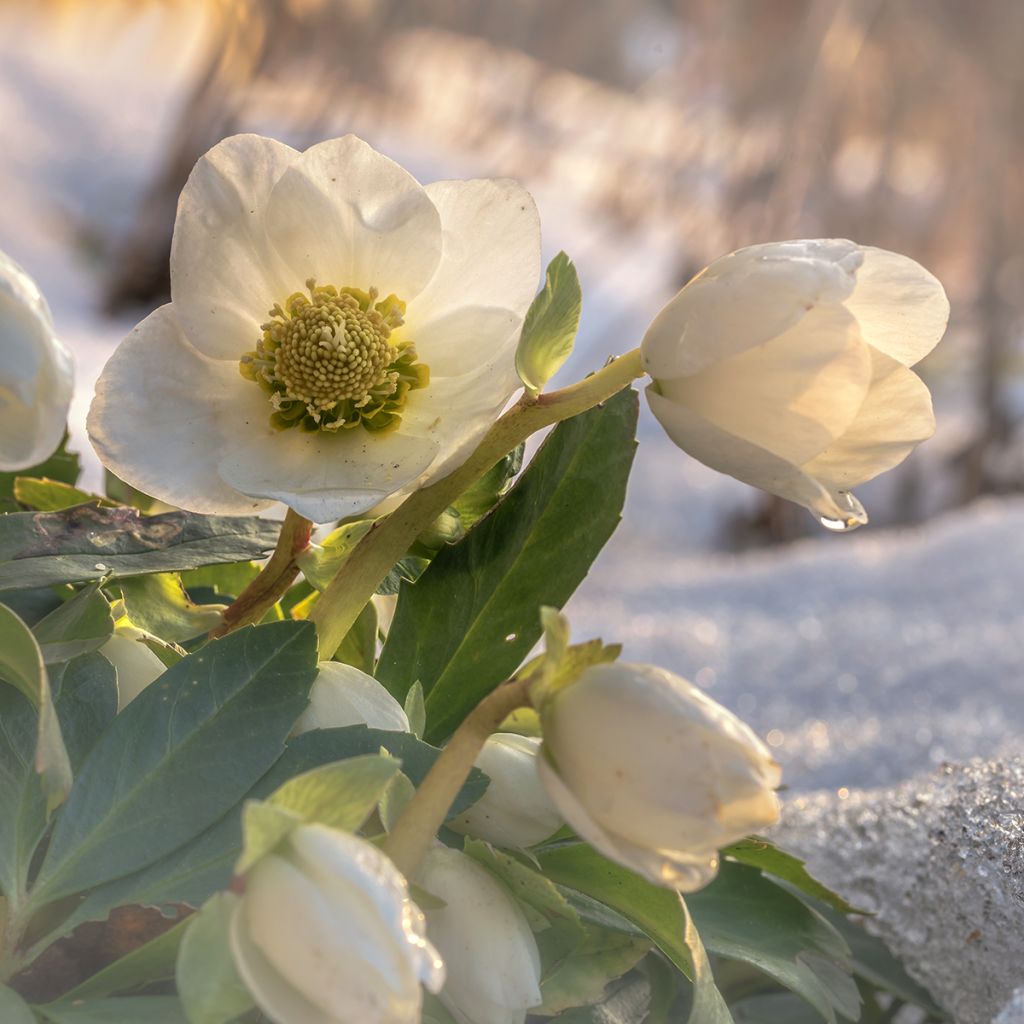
x=656, y=135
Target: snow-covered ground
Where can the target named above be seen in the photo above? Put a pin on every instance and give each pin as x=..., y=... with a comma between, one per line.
x=863, y=658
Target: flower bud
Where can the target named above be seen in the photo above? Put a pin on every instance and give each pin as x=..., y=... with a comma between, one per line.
x=785, y=365
x=515, y=810
x=136, y=665
x=326, y=932
x=489, y=950
x=36, y=374
x=653, y=773
x=343, y=695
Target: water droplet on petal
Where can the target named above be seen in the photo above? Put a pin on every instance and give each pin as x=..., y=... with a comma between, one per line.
x=855, y=515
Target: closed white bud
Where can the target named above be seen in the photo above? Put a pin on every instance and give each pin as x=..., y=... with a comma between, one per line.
x=515, y=810
x=136, y=664
x=343, y=695
x=36, y=373
x=653, y=773
x=785, y=365
x=326, y=933
x=489, y=951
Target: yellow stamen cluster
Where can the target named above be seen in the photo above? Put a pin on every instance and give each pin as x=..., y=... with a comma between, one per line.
x=327, y=360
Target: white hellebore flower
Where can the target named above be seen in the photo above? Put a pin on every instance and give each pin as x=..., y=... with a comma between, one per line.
x=326, y=934
x=337, y=333
x=343, y=695
x=136, y=665
x=785, y=365
x=489, y=951
x=653, y=773
x=515, y=810
x=36, y=373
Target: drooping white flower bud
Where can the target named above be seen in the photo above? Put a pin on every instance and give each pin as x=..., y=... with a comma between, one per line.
x=343, y=695
x=137, y=666
x=653, y=773
x=785, y=365
x=36, y=373
x=489, y=950
x=515, y=810
x=326, y=932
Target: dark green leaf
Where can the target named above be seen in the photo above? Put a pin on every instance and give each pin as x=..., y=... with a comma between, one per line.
x=415, y=709
x=86, y=543
x=159, y=605
x=478, y=500
x=551, y=323
x=128, y=1010
x=227, y=580
x=763, y=854
x=745, y=916
x=14, y=1009
x=474, y=614
x=186, y=750
x=86, y=690
x=359, y=647
x=78, y=626
x=774, y=1008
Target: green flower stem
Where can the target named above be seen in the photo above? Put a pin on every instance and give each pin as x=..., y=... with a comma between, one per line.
x=274, y=579
x=417, y=825
x=390, y=537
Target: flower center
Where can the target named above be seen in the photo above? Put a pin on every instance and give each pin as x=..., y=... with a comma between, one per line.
x=327, y=360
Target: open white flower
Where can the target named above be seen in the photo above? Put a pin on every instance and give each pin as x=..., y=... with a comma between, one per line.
x=785, y=365
x=337, y=333
x=326, y=934
x=344, y=695
x=36, y=373
x=653, y=773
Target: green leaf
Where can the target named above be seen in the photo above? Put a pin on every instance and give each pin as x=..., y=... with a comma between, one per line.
x=656, y=912
x=47, y=495
x=86, y=689
x=395, y=799
x=186, y=750
x=551, y=323
x=774, y=1008
x=320, y=562
x=159, y=605
x=14, y=1009
x=62, y=465
x=151, y=962
x=87, y=543
x=708, y=1006
x=341, y=795
x=473, y=615
x=626, y=1001
x=126, y=1010
x=475, y=502
x=415, y=709
x=21, y=664
x=745, y=916
x=762, y=853
x=227, y=580
x=78, y=626
x=359, y=647
x=208, y=984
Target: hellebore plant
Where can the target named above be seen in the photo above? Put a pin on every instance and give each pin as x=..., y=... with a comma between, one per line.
x=326, y=783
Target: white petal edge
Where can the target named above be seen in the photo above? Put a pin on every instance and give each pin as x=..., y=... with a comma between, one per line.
x=349, y=216
x=343, y=695
x=491, y=253
x=225, y=275
x=745, y=299
x=743, y=460
x=155, y=419
x=901, y=307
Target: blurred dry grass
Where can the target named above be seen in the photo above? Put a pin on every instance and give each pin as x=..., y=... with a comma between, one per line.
x=721, y=122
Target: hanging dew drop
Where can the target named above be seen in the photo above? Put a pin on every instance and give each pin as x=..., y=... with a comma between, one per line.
x=856, y=514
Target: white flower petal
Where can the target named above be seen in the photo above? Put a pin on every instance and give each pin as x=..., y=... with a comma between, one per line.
x=343, y=695
x=491, y=252
x=902, y=308
x=467, y=339
x=348, y=216
x=225, y=275
x=742, y=459
x=322, y=476
x=895, y=418
x=793, y=395
x=745, y=299
x=155, y=419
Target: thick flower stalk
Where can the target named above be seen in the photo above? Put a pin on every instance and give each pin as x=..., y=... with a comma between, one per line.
x=653, y=773
x=337, y=333
x=490, y=954
x=786, y=365
x=326, y=932
x=515, y=810
x=343, y=695
x=36, y=373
